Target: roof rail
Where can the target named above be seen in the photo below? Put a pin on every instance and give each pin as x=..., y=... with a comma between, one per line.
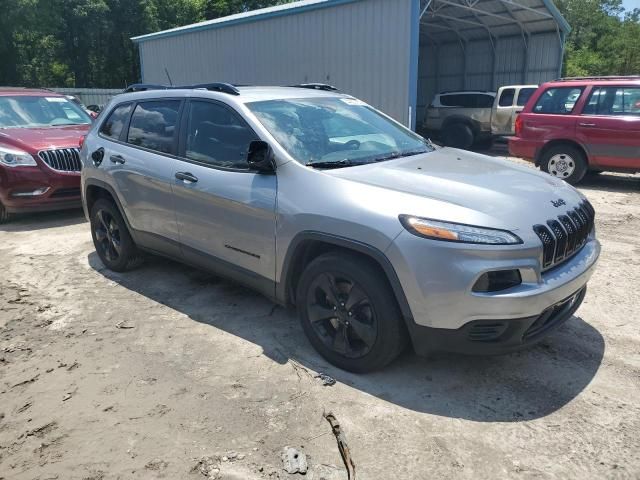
x=603, y=77
x=316, y=86
x=216, y=87
x=141, y=87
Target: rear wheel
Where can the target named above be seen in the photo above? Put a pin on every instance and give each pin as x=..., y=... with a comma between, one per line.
x=565, y=162
x=4, y=215
x=349, y=313
x=458, y=135
x=111, y=238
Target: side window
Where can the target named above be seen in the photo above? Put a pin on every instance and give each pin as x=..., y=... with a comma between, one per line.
x=483, y=101
x=153, y=125
x=613, y=101
x=524, y=96
x=506, y=97
x=113, y=125
x=561, y=100
x=217, y=136
x=449, y=100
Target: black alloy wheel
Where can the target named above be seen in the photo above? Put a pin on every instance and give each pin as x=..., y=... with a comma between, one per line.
x=349, y=312
x=342, y=315
x=111, y=238
x=108, y=236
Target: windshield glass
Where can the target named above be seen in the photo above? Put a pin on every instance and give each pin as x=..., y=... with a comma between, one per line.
x=336, y=131
x=27, y=112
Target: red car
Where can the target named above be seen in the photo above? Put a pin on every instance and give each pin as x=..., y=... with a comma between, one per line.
x=40, y=133
x=575, y=125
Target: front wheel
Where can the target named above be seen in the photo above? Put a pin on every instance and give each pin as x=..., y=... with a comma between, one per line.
x=565, y=162
x=349, y=313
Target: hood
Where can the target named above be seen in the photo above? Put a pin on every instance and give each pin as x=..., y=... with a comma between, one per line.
x=33, y=140
x=497, y=188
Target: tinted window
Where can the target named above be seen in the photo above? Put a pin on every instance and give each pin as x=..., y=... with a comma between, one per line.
x=113, y=126
x=614, y=101
x=524, y=96
x=153, y=125
x=506, y=97
x=467, y=100
x=560, y=100
x=484, y=101
x=217, y=136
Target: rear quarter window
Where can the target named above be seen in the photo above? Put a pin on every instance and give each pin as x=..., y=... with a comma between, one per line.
x=116, y=121
x=558, y=100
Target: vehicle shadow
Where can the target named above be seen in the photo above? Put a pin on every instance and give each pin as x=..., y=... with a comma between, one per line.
x=38, y=221
x=611, y=182
x=516, y=387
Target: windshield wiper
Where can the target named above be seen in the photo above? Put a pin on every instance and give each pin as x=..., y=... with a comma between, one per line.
x=333, y=164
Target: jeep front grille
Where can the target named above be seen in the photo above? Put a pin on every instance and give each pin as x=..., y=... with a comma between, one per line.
x=62, y=159
x=563, y=237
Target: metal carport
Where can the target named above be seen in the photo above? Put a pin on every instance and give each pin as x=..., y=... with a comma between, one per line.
x=394, y=54
x=485, y=44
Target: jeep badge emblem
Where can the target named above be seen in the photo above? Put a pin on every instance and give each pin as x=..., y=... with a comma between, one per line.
x=558, y=203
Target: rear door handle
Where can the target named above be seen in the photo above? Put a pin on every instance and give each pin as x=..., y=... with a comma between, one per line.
x=587, y=124
x=117, y=159
x=186, y=177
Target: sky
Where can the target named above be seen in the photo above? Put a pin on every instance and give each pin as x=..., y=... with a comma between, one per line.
x=631, y=4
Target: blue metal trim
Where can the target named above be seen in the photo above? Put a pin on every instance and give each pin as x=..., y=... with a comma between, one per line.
x=248, y=19
x=564, y=25
x=414, y=55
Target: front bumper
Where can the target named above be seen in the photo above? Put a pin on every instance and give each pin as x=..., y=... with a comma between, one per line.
x=491, y=337
x=437, y=279
x=16, y=184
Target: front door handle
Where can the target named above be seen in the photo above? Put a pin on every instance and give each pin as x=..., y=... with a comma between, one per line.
x=186, y=177
x=117, y=159
x=587, y=124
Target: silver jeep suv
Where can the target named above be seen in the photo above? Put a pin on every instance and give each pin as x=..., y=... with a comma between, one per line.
x=317, y=200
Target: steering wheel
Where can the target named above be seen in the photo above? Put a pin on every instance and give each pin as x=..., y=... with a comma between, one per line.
x=352, y=145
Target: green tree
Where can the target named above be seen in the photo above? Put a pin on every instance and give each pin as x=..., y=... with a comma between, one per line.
x=604, y=39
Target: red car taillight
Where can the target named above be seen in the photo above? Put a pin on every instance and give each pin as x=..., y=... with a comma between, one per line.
x=518, y=125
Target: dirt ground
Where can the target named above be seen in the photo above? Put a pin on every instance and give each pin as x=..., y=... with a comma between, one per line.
x=169, y=372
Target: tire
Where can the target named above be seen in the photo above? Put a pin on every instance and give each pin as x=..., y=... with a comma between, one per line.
x=483, y=144
x=326, y=288
x=565, y=162
x=458, y=135
x=4, y=215
x=111, y=238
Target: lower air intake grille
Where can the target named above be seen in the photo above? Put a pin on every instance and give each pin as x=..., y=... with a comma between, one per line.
x=62, y=159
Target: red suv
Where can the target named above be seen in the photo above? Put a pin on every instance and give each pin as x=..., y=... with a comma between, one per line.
x=40, y=132
x=574, y=125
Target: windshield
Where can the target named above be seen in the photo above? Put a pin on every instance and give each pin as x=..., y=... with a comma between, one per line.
x=28, y=112
x=338, y=131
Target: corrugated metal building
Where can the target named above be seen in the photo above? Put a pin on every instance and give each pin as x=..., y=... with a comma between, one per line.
x=394, y=54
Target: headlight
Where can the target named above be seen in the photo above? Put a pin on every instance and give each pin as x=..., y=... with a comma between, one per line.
x=457, y=232
x=15, y=158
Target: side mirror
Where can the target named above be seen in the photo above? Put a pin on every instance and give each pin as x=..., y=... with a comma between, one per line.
x=260, y=157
